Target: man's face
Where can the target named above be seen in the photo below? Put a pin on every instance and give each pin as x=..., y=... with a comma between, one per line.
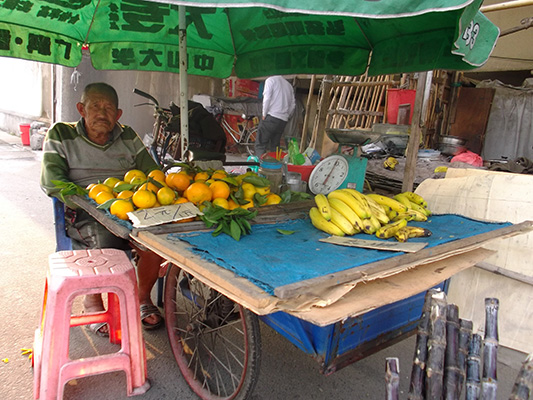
x=100, y=113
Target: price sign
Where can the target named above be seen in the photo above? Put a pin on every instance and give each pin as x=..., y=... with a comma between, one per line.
x=162, y=215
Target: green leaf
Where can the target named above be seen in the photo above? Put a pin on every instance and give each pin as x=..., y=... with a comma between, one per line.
x=122, y=187
x=257, y=181
x=230, y=181
x=247, y=226
x=235, y=230
x=218, y=230
x=157, y=183
x=106, y=205
x=259, y=199
x=285, y=232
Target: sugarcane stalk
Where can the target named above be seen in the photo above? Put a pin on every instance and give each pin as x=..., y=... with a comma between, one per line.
x=392, y=378
x=523, y=386
x=473, y=369
x=451, y=366
x=436, y=347
x=418, y=371
x=489, y=383
x=465, y=335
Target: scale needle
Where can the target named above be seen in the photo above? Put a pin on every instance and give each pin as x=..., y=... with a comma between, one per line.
x=330, y=172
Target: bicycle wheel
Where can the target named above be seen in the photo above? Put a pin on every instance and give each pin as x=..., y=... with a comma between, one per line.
x=215, y=341
x=249, y=140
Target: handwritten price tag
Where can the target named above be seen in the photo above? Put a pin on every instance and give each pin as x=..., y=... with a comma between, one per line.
x=162, y=215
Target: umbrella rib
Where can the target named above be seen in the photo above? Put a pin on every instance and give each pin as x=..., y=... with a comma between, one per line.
x=92, y=21
x=364, y=34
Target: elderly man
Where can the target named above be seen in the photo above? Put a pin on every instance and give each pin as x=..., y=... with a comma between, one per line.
x=91, y=150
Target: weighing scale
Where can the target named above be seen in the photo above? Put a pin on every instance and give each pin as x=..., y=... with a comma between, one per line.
x=340, y=170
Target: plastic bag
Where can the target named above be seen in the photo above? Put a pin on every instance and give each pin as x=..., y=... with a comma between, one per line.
x=295, y=157
x=468, y=157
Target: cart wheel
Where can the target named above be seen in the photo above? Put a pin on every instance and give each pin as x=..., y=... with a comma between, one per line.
x=215, y=341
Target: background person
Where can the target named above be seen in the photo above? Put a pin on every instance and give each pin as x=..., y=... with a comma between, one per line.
x=93, y=149
x=278, y=105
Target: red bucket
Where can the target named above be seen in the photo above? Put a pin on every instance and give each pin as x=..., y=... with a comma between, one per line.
x=25, y=134
x=304, y=170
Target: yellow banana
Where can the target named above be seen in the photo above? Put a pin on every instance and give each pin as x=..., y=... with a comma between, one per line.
x=415, y=198
x=319, y=222
x=371, y=225
x=416, y=231
x=338, y=219
x=420, y=209
x=387, y=201
x=411, y=215
x=322, y=204
x=392, y=214
x=379, y=212
x=347, y=212
x=402, y=198
x=351, y=201
x=390, y=230
x=360, y=197
x=402, y=235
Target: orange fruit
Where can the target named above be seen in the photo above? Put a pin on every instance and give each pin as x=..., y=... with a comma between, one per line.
x=134, y=174
x=220, y=189
x=166, y=196
x=273, y=198
x=120, y=208
x=103, y=196
x=125, y=194
x=90, y=185
x=198, y=192
x=263, y=190
x=111, y=181
x=248, y=205
x=219, y=201
x=99, y=187
x=178, y=181
x=219, y=174
x=249, y=190
x=232, y=205
x=157, y=175
x=201, y=176
x=144, y=199
x=149, y=186
x=181, y=200
x=119, y=183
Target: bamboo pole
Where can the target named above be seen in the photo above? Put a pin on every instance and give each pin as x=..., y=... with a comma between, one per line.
x=465, y=335
x=489, y=383
x=473, y=368
x=436, y=346
x=307, y=111
x=416, y=386
x=451, y=364
x=320, y=126
x=523, y=386
x=392, y=378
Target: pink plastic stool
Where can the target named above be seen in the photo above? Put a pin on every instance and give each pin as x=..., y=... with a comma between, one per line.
x=81, y=272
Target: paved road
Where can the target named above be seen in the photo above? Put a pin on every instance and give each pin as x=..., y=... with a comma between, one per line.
x=27, y=239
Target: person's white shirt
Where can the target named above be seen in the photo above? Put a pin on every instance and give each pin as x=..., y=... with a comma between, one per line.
x=278, y=98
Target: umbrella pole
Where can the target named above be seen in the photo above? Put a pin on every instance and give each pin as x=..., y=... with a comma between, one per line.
x=184, y=101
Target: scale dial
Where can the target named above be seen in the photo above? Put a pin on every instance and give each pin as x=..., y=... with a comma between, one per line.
x=328, y=175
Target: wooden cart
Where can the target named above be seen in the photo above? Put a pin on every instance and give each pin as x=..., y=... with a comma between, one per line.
x=212, y=313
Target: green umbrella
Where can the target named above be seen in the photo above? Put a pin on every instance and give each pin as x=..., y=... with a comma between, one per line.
x=247, y=39
x=339, y=37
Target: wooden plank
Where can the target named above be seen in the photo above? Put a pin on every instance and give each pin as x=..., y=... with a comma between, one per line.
x=364, y=83
x=396, y=264
x=369, y=296
x=303, y=141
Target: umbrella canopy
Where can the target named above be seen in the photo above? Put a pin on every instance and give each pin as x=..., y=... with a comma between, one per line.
x=339, y=37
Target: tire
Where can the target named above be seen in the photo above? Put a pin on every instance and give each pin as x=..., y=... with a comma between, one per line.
x=215, y=341
x=249, y=140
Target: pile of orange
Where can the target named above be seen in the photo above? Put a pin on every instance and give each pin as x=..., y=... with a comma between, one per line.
x=137, y=190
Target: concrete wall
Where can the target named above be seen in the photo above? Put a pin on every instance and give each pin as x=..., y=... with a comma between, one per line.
x=29, y=90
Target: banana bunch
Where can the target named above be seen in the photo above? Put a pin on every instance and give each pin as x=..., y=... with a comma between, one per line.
x=347, y=212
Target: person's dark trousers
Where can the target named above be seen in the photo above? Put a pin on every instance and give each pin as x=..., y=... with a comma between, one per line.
x=269, y=135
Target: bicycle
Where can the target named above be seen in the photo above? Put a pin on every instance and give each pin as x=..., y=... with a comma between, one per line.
x=204, y=141
x=245, y=134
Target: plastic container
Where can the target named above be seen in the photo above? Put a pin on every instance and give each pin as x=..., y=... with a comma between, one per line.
x=304, y=170
x=273, y=172
x=396, y=97
x=25, y=134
